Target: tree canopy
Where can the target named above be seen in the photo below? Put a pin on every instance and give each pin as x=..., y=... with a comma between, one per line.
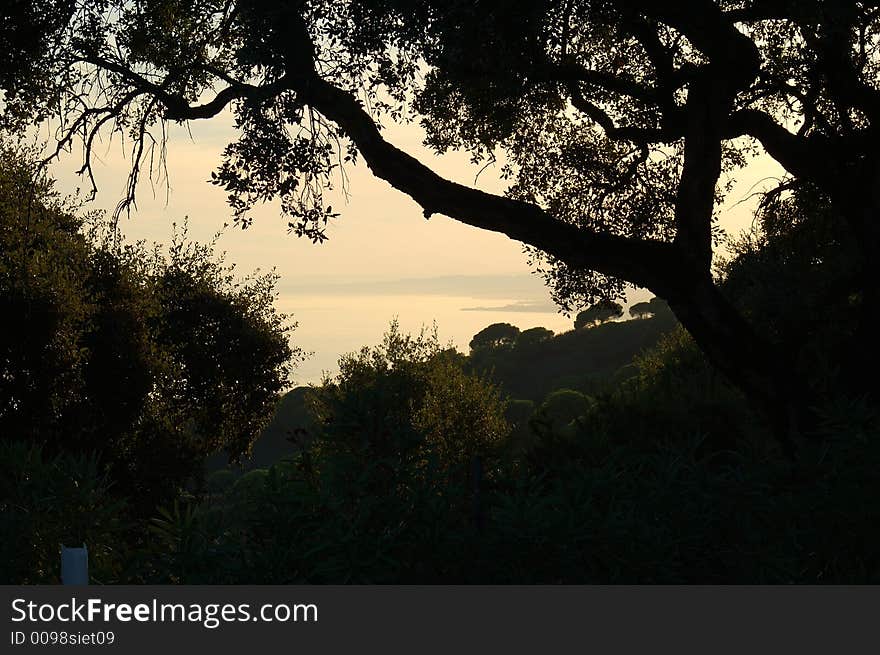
x=651, y=307
x=533, y=336
x=619, y=123
x=602, y=311
x=410, y=397
x=495, y=336
x=151, y=360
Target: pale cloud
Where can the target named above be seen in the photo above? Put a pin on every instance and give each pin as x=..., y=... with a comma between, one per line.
x=520, y=306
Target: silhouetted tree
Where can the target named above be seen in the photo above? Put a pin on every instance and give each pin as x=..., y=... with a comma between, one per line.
x=602, y=311
x=518, y=412
x=152, y=361
x=408, y=399
x=563, y=406
x=616, y=119
x=533, y=336
x=798, y=274
x=640, y=310
x=28, y=29
x=495, y=336
x=650, y=308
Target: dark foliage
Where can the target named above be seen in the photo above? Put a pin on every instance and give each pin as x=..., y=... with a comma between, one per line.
x=496, y=335
x=586, y=360
x=149, y=361
x=601, y=312
x=46, y=501
x=651, y=484
x=622, y=126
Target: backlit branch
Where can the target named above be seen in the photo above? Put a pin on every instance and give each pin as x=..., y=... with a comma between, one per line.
x=632, y=259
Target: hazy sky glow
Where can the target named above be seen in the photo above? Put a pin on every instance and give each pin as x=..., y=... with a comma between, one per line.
x=383, y=259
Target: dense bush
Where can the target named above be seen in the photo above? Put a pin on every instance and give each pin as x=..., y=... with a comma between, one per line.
x=672, y=513
x=50, y=500
x=630, y=491
x=410, y=398
x=147, y=359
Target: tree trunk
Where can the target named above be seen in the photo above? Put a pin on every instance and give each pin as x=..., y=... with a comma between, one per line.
x=862, y=357
x=761, y=370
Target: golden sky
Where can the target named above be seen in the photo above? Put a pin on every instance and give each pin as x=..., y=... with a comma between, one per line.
x=380, y=237
x=381, y=233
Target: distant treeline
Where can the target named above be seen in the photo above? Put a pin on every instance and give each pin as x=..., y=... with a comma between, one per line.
x=526, y=365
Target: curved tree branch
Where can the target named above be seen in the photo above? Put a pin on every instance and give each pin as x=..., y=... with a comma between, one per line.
x=802, y=156
x=177, y=108
x=672, y=129
x=632, y=259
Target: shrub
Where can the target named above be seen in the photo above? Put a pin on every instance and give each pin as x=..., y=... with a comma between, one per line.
x=148, y=360
x=50, y=500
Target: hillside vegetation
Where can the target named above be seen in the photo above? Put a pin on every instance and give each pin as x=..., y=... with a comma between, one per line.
x=590, y=360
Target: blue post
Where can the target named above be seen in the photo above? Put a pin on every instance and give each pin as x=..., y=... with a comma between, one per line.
x=74, y=565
